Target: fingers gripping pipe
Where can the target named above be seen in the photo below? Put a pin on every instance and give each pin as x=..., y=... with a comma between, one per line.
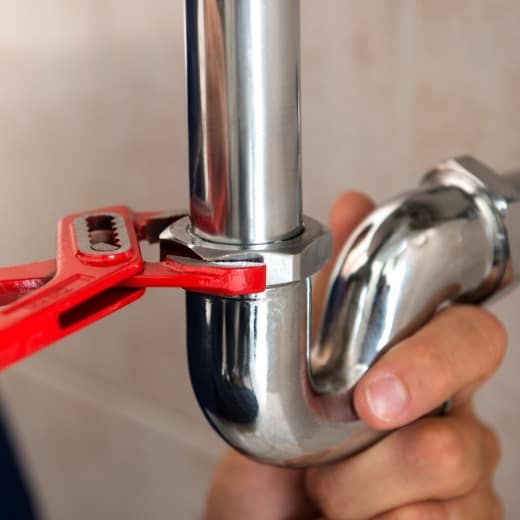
x=258, y=380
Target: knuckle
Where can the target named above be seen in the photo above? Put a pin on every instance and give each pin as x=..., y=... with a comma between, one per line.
x=441, y=452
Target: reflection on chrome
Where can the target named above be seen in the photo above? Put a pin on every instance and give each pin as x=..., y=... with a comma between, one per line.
x=273, y=396
x=262, y=385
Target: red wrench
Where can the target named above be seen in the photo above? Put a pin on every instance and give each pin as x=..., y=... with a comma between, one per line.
x=98, y=270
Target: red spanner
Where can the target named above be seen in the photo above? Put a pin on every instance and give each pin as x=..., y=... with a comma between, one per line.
x=98, y=270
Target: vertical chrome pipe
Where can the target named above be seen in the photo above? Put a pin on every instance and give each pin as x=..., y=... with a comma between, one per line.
x=243, y=119
x=247, y=354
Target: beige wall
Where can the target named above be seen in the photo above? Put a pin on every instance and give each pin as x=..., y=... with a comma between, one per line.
x=92, y=112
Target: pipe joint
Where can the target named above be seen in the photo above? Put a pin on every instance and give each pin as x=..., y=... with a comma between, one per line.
x=287, y=261
x=499, y=193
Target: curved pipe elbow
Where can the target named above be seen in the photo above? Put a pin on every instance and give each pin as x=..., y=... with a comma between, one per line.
x=276, y=398
x=409, y=257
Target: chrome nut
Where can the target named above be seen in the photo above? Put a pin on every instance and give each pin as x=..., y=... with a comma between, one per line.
x=287, y=261
x=491, y=191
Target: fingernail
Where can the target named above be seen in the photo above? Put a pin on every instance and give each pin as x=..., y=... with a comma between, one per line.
x=387, y=397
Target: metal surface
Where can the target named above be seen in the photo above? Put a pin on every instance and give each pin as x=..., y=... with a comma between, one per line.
x=500, y=192
x=260, y=383
x=288, y=260
x=446, y=240
x=273, y=396
x=243, y=112
x=248, y=368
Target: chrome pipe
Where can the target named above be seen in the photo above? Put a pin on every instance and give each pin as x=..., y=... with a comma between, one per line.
x=276, y=398
x=373, y=299
x=249, y=371
x=243, y=84
x=265, y=389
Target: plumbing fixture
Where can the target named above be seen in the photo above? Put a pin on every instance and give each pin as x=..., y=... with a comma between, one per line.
x=246, y=253
x=260, y=383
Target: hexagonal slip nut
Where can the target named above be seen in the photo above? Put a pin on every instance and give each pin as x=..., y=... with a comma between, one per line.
x=287, y=261
x=502, y=196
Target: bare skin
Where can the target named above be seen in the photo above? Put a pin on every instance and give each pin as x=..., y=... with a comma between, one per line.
x=431, y=468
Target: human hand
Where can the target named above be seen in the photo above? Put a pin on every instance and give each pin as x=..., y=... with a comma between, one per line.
x=434, y=467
